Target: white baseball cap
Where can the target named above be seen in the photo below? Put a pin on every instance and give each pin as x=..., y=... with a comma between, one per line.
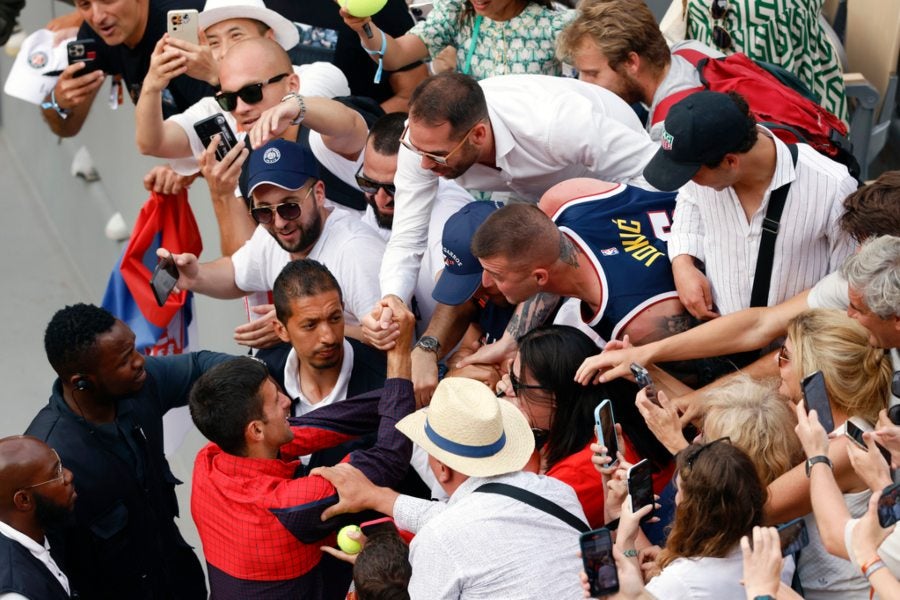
x=27, y=79
x=216, y=11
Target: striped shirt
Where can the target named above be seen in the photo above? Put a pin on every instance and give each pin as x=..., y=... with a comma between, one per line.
x=712, y=227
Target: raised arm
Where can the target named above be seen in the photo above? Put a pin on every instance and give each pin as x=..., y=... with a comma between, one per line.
x=153, y=135
x=398, y=53
x=343, y=130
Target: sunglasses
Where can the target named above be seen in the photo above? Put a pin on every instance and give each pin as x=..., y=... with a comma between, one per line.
x=435, y=158
x=718, y=10
x=264, y=215
x=250, y=94
x=59, y=475
x=540, y=437
x=693, y=457
x=783, y=356
x=370, y=186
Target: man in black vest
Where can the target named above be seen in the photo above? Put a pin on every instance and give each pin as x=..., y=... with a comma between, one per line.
x=36, y=492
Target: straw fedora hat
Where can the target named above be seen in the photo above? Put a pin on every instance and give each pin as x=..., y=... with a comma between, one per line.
x=216, y=11
x=471, y=431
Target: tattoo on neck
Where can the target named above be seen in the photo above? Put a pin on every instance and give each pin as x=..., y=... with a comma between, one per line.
x=568, y=252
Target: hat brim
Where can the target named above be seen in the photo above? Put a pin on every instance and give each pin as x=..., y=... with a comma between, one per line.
x=453, y=290
x=512, y=457
x=286, y=33
x=665, y=174
x=286, y=180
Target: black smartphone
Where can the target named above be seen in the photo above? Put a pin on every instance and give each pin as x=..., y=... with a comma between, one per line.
x=376, y=526
x=599, y=564
x=640, y=487
x=889, y=505
x=83, y=51
x=815, y=396
x=794, y=536
x=894, y=411
x=605, y=424
x=852, y=431
x=163, y=280
x=209, y=127
x=643, y=379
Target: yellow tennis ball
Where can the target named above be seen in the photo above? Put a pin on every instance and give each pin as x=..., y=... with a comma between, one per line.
x=345, y=542
x=363, y=8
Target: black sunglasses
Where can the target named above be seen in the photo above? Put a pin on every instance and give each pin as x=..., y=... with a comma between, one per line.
x=718, y=9
x=721, y=38
x=251, y=94
x=370, y=186
x=693, y=457
x=540, y=437
x=518, y=386
x=264, y=215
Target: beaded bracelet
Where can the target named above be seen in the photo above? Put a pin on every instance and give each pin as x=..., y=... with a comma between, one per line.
x=380, y=54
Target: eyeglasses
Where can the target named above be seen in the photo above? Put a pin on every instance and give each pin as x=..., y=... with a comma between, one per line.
x=693, y=457
x=59, y=475
x=370, y=186
x=436, y=158
x=517, y=385
x=718, y=10
x=540, y=437
x=264, y=215
x=783, y=356
x=251, y=94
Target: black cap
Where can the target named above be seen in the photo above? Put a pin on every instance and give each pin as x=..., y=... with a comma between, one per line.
x=698, y=130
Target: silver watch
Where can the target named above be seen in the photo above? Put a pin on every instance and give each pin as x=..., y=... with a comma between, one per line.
x=428, y=344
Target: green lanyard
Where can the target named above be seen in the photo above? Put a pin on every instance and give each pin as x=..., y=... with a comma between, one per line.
x=475, y=30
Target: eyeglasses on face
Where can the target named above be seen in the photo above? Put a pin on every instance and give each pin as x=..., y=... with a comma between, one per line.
x=370, y=186
x=59, y=475
x=441, y=159
x=693, y=457
x=540, y=437
x=516, y=384
x=264, y=215
x=783, y=356
x=250, y=94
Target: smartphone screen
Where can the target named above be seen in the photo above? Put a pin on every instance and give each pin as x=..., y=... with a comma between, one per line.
x=852, y=431
x=383, y=525
x=216, y=124
x=643, y=379
x=640, y=487
x=605, y=424
x=889, y=505
x=164, y=278
x=794, y=536
x=816, y=397
x=599, y=564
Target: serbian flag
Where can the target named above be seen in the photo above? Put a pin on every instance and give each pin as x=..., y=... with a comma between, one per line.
x=164, y=221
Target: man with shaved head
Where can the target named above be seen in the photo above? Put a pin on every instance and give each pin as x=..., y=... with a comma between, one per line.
x=36, y=493
x=601, y=243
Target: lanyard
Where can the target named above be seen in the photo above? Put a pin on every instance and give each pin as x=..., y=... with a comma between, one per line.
x=475, y=30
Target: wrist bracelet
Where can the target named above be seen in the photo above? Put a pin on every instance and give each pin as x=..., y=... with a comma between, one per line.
x=631, y=553
x=380, y=54
x=874, y=567
x=301, y=103
x=62, y=112
x=871, y=563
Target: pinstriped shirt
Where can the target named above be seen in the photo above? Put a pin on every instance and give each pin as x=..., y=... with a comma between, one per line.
x=712, y=227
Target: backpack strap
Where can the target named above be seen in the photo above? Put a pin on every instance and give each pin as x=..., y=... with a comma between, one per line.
x=536, y=501
x=762, y=279
x=694, y=57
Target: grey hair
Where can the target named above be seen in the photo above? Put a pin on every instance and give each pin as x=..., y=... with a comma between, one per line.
x=875, y=273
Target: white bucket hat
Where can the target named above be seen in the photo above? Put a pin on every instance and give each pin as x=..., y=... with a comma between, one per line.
x=470, y=430
x=216, y=11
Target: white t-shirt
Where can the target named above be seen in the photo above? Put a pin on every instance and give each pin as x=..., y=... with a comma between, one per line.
x=316, y=79
x=350, y=250
x=450, y=198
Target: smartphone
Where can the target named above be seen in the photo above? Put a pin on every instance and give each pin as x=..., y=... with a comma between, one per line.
x=163, y=280
x=599, y=564
x=376, y=526
x=605, y=424
x=889, y=505
x=643, y=379
x=794, y=536
x=640, y=487
x=83, y=51
x=209, y=127
x=182, y=25
x=855, y=434
x=815, y=396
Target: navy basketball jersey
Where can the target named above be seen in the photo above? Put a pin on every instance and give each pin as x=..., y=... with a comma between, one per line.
x=623, y=232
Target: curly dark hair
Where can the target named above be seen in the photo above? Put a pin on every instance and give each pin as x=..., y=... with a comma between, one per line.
x=71, y=336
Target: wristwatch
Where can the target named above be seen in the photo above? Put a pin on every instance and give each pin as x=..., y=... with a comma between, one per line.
x=818, y=459
x=428, y=344
x=301, y=104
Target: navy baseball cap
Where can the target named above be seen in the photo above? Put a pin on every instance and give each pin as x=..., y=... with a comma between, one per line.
x=698, y=130
x=281, y=163
x=462, y=271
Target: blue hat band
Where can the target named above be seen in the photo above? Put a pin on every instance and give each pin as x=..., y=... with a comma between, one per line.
x=464, y=449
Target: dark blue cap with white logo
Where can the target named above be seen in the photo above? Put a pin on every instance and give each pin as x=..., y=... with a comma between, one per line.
x=462, y=271
x=281, y=163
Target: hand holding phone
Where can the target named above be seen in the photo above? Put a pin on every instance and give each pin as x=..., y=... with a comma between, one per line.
x=643, y=379
x=182, y=25
x=889, y=506
x=164, y=278
x=794, y=536
x=855, y=434
x=605, y=424
x=210, y=126
x=815, y=396
x=83, y=51
x=640, y=487
x=599, y=564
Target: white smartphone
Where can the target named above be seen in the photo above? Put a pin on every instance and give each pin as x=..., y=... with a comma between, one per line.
x=182, y=25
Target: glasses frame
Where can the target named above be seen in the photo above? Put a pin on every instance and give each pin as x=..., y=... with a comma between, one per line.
x=228, y=100
x=435, y=158
x=689, y=462
x=516, y=383
x=60, y=475
x=370, y=186
x=783, y=356
x=718, y=9
x=276, y=208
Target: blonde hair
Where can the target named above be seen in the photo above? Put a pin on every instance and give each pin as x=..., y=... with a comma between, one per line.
x=857, y=375
x=758, y=420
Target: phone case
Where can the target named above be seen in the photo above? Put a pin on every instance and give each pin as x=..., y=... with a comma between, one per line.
x=640, y=487
x=82, y=51
x=598, y=561
x=163, y=281
x=182, y=25
x=612, y=444
x=209, y=127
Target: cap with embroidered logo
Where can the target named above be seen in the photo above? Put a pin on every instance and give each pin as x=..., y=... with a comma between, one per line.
x=462, y=271
x=281, y=163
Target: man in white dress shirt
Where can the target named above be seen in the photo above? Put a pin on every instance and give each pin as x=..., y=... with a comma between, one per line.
x=730, y=167
x=36, y=493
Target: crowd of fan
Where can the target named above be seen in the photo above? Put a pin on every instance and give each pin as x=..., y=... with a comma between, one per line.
x=446, y=255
